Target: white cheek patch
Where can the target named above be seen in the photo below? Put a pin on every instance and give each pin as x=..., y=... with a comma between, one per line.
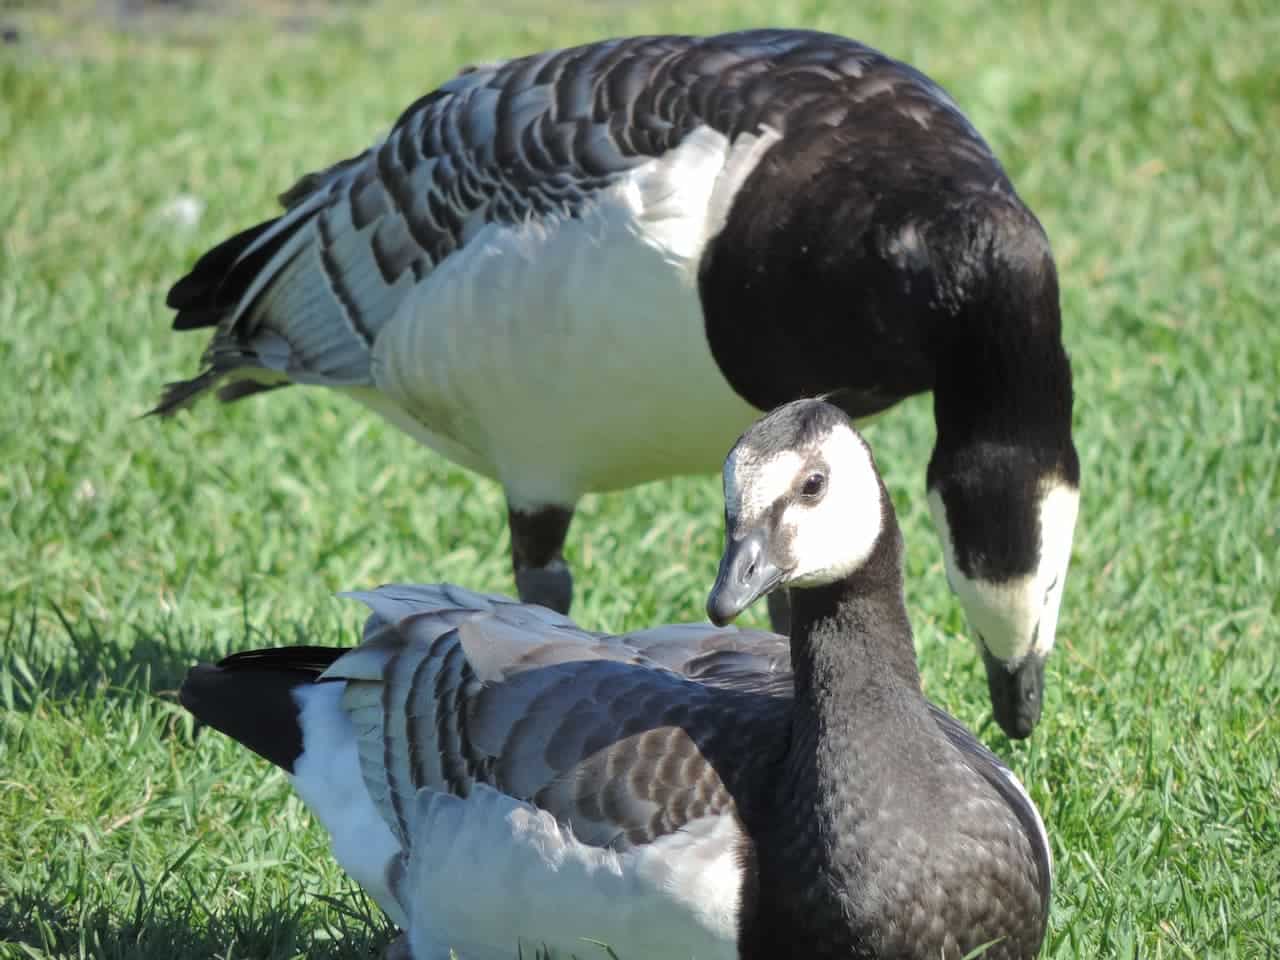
x=834, y=537
x=827, y=540
x=1058, y=512
x=1006, y=613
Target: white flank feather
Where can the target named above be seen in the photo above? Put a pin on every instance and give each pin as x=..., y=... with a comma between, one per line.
x=327, y=778
x=490, y=875
x=566, y=355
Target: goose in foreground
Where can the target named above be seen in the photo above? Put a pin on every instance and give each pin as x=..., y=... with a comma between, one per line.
x=494, y=775
x=591, y=268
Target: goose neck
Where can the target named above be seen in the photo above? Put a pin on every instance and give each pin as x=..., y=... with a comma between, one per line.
x=847, y=639
x=859, y=727
x=858, y=701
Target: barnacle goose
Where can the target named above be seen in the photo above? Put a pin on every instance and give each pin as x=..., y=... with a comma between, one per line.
x=591, y=268
x=499, y=779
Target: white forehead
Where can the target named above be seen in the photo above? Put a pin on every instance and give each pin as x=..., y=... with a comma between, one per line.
x=754, y=481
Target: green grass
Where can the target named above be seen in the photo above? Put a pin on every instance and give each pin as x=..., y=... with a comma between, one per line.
x=1144, y=134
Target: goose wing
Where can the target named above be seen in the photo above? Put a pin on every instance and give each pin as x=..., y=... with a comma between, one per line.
x=678, y=660
x=1006, y=783
x=612, y=742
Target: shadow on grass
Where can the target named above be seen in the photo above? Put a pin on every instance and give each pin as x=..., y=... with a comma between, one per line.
x=180, y=926
x=128, y=660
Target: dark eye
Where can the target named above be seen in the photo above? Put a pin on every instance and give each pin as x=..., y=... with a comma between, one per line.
x=814, y=486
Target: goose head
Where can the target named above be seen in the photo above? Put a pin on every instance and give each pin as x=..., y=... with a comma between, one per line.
x=803, y=506
x=1006, y=518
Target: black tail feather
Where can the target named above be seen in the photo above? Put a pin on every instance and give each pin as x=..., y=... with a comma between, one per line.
x=180, y=393
x=202, y=288
x=249, y=697
x=239, y=389
x=220, y=277
x=303, y=658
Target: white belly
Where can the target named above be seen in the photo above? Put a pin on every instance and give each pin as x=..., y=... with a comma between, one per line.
x=568, y=355
x=490, y=875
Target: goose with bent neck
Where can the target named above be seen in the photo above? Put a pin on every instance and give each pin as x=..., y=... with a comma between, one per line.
x=880, y=839
x=590, y=268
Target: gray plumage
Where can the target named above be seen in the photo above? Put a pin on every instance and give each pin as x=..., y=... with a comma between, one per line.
x=628, y=738
x=452, y=688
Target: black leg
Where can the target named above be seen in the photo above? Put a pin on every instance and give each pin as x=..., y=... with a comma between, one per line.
x=780, y=611
x=537, y=539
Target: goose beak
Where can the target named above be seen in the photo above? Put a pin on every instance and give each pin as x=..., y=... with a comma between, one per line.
x=1017, y=694
x=746, y=574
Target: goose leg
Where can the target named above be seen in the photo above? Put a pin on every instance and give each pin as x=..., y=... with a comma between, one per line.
x=537, y=539
x=780, y=611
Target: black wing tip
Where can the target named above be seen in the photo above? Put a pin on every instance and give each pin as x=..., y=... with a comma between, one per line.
x=188, y=293
x=182, y=393
x=200, y=679
x=305, y=186
x=203, y=693
x=239, y=389
x=194, y=318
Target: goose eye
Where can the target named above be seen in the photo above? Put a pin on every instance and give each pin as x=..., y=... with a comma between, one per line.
x=814, y=486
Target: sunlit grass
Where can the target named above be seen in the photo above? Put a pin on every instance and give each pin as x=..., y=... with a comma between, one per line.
x=1144, y=136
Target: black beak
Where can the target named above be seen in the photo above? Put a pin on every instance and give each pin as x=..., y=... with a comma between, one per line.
x=746, y=574
x=1017, y=695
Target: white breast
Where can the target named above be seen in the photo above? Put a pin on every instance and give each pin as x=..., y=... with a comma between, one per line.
x=565, y=355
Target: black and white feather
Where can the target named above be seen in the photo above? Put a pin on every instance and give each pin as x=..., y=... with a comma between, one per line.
x=593, y=267
x=496, y=776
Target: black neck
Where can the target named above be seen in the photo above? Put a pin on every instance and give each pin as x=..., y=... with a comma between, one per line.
x=858, y=722
x=1002, y=373
x=848, y=635
x=852, y=658
x=935, y=281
